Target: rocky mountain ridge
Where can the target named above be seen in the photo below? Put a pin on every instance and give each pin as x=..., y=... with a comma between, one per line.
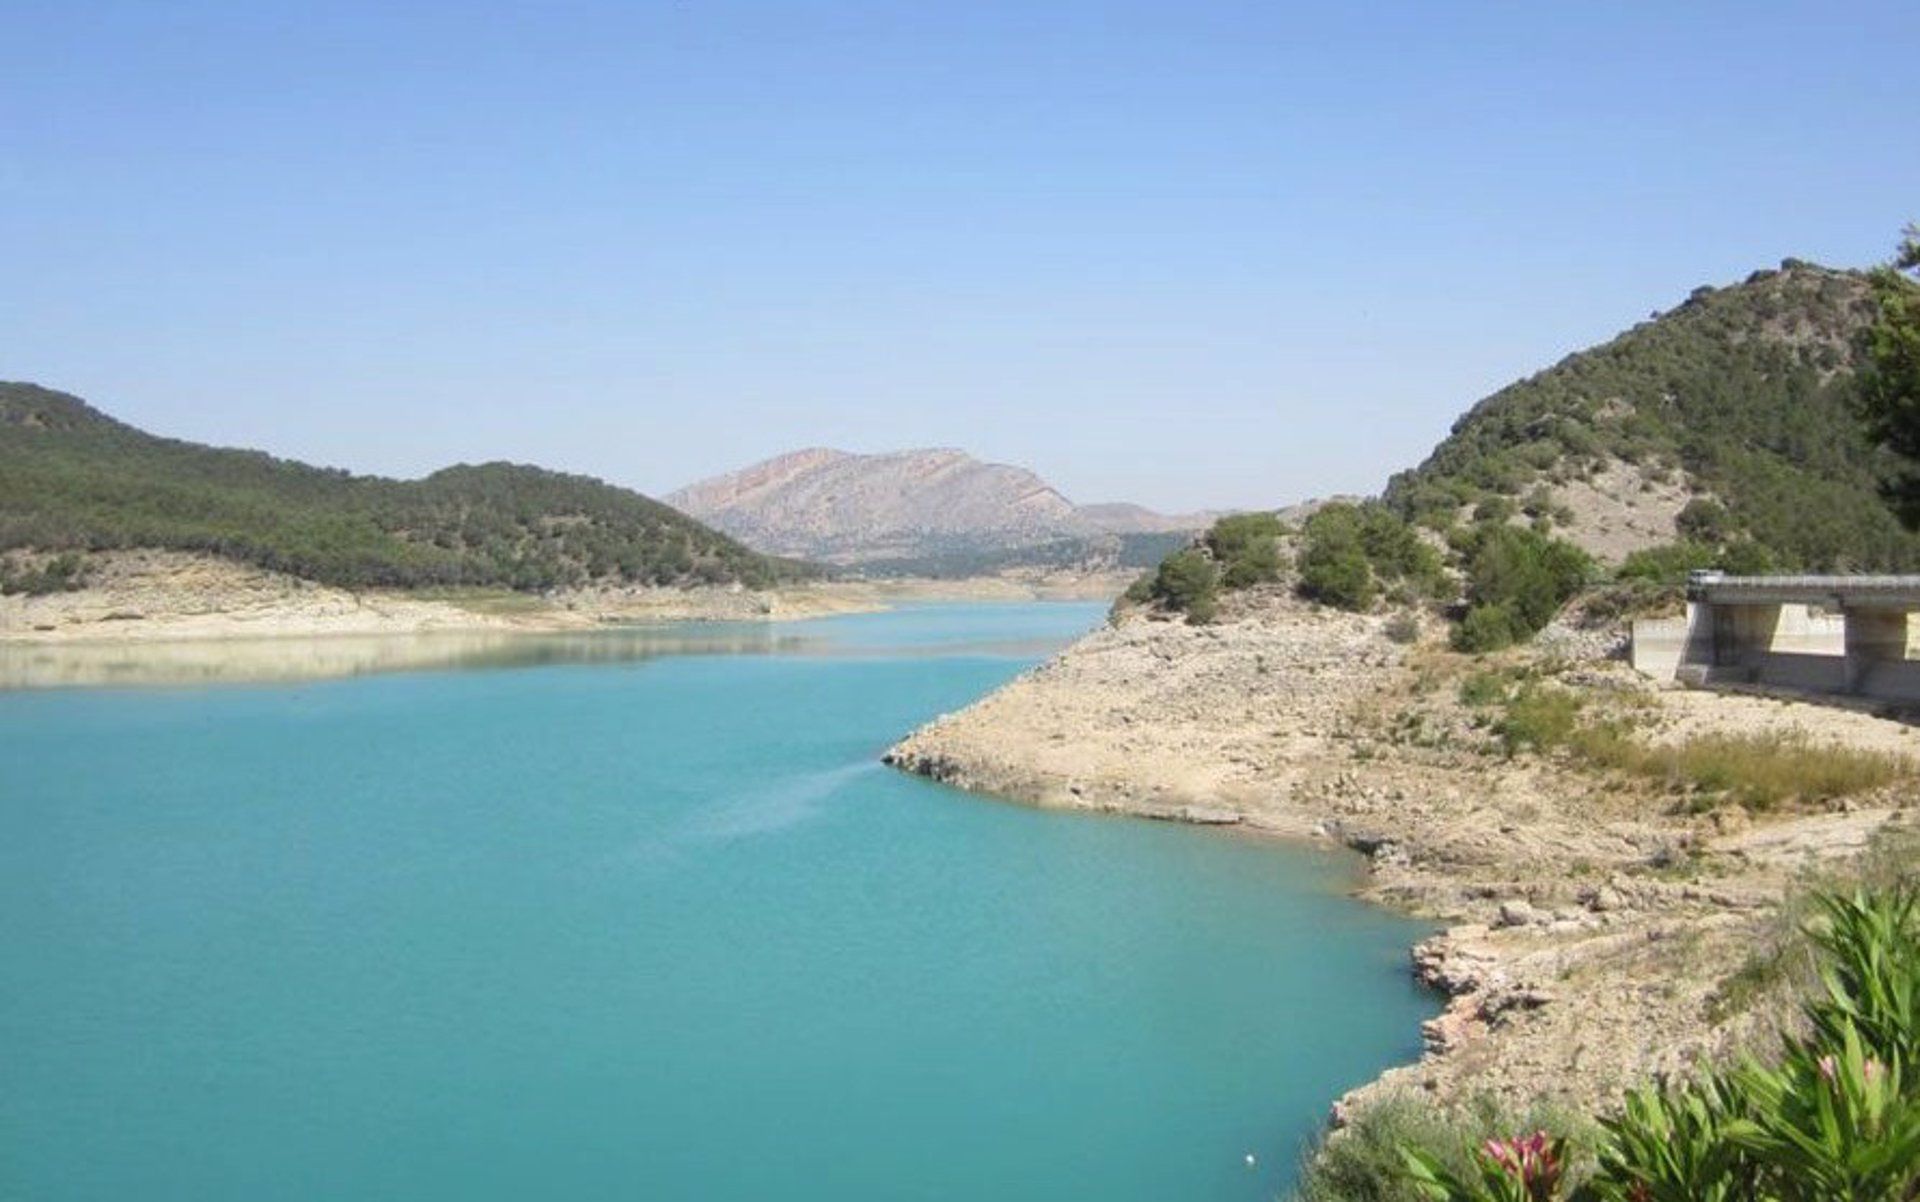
x=923, y=504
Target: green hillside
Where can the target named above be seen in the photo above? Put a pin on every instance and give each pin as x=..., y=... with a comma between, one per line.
x=72, y=478
x=1742, y=395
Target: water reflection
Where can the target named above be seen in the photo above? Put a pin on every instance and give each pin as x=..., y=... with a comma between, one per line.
x=239, y=661
x=228, y=661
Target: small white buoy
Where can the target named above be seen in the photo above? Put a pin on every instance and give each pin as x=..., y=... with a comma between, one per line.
x=1250, y=1160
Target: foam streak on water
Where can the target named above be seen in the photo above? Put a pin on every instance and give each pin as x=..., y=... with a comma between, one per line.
x=603, y=926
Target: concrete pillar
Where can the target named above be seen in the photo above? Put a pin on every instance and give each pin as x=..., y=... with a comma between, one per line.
x=1873, y=636
x=1743, y=634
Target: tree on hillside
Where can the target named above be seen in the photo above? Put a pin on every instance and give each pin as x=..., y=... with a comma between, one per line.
x=1890, y=394
x=1187, y=581
x=1517, y=579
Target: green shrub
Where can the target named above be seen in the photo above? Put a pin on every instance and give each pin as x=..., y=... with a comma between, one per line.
x=1349, y=552
x=1333, y=560
x=1677, y=1145
x=1246, y=548
x=1188, y=582
x=1524, y=575
x=60, y=574
x=1704, y=521
x=1366, y=1160
x=1487, y=628
x=1669, y=563
x=1494, y=510
x=1482, y=689
x=1538, y=719
x=1338, y=576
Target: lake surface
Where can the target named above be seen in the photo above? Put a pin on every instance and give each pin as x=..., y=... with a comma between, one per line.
x=645, y=920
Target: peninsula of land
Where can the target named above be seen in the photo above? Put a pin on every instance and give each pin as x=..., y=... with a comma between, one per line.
x=1437, y=680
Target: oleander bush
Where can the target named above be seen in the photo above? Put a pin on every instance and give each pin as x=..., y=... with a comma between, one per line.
x=1833, y=1116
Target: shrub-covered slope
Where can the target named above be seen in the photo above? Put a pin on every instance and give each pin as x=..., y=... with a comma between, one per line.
x=72, y=478
x=1742, y=395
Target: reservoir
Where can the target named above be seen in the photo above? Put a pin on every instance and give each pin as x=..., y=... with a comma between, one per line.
x=639, y=915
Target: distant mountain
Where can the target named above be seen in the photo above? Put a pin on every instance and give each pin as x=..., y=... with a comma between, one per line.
x=72, y=478
x=1731, y=416
x=938, y=510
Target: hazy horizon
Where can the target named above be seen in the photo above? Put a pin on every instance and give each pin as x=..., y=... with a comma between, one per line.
x=1211, y=256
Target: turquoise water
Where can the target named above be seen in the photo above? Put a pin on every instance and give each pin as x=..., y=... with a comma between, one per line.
x=645, y=927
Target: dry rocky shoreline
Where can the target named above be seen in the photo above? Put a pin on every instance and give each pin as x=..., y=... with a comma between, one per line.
x=153, y=595
x=1592, y=926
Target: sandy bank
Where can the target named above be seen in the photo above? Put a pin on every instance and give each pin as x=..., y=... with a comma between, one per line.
x=174, y=596
x=1591, y=925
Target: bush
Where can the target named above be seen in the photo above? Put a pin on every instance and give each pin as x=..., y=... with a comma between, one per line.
x=1669, y=563
x=1483, y=689
x=1338, y=576
x=1403, y=628
x=1538, y=719
x=62, y=573
x=1349, y=551
x=1366, y=1161
x=1704, y=521
x=1246, y=548
x=1523, y=575
x=1486, y=628
x=1188, y=582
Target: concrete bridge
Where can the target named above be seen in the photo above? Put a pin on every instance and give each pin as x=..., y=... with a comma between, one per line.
x=1847, y=635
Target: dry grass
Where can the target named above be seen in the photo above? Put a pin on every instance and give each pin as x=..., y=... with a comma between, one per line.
x=1756, y=771
x=1759, y=771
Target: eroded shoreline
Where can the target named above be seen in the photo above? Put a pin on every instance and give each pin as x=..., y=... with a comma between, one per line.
x=1590, y=929
x=170, y=596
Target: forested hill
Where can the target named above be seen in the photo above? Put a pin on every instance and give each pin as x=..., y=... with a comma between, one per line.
x=1729, y=417
x=72, y=478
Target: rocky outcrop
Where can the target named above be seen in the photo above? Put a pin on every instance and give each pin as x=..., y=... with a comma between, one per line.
x=846, y=508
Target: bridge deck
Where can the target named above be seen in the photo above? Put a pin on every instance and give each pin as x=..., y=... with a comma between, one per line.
x=1877, y=592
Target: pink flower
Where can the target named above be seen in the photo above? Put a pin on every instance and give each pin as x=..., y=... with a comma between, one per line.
x=1829, y=1070
x=1530, y=1159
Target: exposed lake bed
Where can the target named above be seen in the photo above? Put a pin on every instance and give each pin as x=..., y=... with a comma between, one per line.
x=651, y=921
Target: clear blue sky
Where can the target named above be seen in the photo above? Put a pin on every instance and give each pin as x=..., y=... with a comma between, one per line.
x=1186, y=253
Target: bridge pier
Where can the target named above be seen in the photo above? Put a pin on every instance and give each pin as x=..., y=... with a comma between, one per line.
x=1806, y=634
x=1742, y=634
x=1873, y=637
